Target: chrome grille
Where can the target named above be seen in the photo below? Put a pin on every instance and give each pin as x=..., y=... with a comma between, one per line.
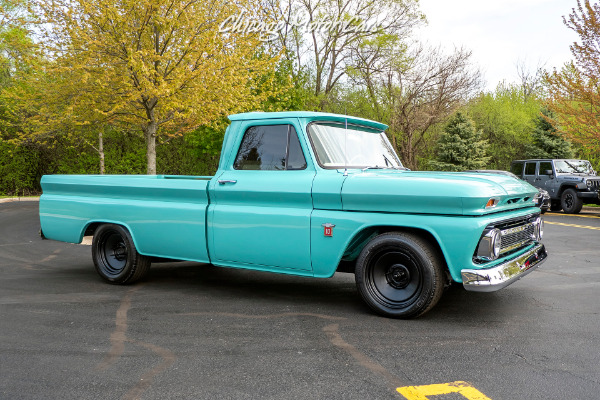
x=516, y=237
x=515, y=234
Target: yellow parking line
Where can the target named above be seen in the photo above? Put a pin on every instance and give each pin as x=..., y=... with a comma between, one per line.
x=573, y=225
x=421, y=392
x=573, y=215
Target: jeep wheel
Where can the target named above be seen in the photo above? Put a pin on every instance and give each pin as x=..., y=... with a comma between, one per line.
x=570, y=203
x=555, y=206
x=400, y=275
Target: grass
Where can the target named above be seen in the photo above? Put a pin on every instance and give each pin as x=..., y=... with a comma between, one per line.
x=17, y=197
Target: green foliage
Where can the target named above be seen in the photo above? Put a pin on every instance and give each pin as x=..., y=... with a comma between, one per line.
x=585, y=153
x=506, y=119
x=19, y=168
x=22, y=165
x=547, y=141
x=290, y=89
x=460, y=147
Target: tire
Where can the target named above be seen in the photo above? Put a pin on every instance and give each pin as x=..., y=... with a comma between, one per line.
x=400, y=275
x=571, y=204
x=555, y=206
x=115, y=256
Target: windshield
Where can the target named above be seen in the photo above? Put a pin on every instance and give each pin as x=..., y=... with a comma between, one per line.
x=573, y=167
x=338, y=145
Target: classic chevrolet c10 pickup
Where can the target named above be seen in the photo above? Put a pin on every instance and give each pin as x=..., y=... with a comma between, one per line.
x=309, y=194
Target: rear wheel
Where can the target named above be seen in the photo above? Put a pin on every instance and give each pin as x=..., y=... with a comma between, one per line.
x=400, y=275
x=570, y=203
x=115, y=256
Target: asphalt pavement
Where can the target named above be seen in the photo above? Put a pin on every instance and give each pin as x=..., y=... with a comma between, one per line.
x=193, y=331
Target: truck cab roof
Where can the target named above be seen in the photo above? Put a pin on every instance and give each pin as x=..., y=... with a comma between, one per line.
x=308, y=116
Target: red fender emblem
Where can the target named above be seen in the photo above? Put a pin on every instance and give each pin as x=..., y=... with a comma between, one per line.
x=328, y=229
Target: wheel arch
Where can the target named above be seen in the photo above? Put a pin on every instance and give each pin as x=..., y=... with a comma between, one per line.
x=360, y=239
x=91, y=226
x=564, y=187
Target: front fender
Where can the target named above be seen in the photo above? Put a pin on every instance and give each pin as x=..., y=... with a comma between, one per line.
x=457, y=236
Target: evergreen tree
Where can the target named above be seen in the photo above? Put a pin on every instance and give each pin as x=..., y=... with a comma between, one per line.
x=461, y=146
x=547, y=141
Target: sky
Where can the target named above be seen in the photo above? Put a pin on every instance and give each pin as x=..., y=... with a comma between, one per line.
x=501, y=33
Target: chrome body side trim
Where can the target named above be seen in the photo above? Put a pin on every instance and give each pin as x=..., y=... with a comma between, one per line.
x=502, y=275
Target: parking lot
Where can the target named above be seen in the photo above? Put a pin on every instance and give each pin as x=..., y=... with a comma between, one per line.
x=193, y=331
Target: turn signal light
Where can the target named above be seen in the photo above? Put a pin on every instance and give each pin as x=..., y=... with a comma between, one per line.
x=493, y=202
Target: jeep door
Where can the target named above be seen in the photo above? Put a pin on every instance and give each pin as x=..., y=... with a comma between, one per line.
x=544, y=179
x=529, y=173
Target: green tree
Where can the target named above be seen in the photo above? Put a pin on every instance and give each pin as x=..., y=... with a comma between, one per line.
x=461, y=147
x=159, y=65
x=547, y=141
x=323, y=35
x=506, y=118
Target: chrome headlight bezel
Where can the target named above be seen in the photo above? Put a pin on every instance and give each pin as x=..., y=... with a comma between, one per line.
x=489, y=245
x=538, y=229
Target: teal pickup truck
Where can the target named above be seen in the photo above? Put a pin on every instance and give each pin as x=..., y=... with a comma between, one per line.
x=309, y=194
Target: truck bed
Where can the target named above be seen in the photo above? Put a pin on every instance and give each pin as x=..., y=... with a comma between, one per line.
x=168, y=207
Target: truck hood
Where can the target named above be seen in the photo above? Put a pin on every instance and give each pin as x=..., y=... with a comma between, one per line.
x=450, y=193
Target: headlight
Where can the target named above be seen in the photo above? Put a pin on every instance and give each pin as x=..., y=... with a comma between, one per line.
x=489, y=245
x=588, y=183
x=538, y=198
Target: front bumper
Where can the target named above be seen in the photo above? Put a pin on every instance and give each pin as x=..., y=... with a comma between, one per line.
x=502, y=275
x=589, y=195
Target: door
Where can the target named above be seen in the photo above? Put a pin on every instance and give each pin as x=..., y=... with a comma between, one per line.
x=262, y=202
x=546, y=177
x=529, y=173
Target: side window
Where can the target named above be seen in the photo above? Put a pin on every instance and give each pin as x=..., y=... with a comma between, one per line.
x=530, y=168
x=517, y=169
x=270, y=148
x=296, y=158
x=544, y=167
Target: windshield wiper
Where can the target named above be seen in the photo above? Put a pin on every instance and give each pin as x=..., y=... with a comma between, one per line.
x=574, y=167
x=375, y=167
x=378, y=167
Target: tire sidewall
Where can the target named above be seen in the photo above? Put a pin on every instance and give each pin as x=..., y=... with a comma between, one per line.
x=429, y=275
x=100, y=236
x=577, y=203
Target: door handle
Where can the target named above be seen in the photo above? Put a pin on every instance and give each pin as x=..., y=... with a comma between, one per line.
x=224, y=181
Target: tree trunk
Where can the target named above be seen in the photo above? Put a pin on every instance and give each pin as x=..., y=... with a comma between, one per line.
x=150, y=133
x=101, y=151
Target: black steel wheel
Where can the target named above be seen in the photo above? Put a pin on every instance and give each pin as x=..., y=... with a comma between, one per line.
x=115, y=256
x=400, y=275
x=571, y=204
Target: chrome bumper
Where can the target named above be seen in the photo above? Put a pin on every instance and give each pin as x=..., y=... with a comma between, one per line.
x=500, y=276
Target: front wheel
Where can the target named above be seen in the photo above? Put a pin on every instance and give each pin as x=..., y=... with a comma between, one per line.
x=555, y=205
x=400, y=275
x=571, y=204
x=115, y=256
